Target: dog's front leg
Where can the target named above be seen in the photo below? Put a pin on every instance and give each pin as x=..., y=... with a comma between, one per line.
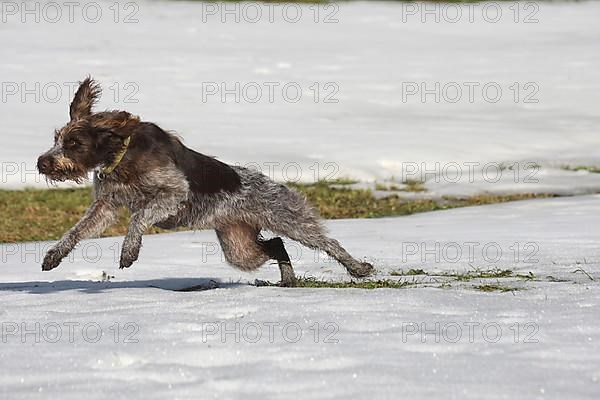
x=157, y=210
x=98, y=217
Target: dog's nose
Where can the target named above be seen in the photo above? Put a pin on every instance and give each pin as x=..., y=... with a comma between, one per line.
x=43, y=164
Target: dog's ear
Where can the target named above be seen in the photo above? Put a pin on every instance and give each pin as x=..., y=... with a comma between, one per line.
x=119, y=124
x=85, y=98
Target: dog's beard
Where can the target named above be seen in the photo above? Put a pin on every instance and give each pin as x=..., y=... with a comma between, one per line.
x=77, y=176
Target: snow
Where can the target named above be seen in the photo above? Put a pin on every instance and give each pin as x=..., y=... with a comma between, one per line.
x=371, y=343
x=374, y=50
x=438, y=336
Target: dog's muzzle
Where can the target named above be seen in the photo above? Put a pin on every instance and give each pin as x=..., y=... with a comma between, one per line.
x=45, y=164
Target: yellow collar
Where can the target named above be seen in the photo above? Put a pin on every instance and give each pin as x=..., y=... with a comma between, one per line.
x=110, y=168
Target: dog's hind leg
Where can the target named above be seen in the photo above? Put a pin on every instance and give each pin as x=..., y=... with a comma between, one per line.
x=245, y=249
x=316, y=239
x=276, y=250
x=241, y=246
x=293, y=217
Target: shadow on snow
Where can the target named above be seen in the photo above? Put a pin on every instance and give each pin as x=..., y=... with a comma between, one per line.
x=172, y=284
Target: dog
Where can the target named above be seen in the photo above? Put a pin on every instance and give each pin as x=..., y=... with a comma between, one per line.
x=140, y=166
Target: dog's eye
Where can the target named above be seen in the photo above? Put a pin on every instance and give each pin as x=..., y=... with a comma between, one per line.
x=71, y=143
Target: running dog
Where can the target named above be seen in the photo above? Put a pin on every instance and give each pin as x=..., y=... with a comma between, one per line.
x=140, y=166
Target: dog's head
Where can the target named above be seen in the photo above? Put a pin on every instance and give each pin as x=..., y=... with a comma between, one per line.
x=88, y=140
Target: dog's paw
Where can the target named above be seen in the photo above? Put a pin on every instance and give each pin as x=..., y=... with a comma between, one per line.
x=288, y=283
x=128, y=257
x=52, y=260
x=126, y=262
x=361, y=270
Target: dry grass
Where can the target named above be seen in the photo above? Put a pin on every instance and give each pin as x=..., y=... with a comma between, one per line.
x=33, y=214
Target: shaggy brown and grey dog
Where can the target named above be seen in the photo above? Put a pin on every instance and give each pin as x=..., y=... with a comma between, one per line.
x=140, y=166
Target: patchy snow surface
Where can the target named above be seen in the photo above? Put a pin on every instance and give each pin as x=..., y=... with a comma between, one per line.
x=371, y=53
x=539, y=342
x=437, y=337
